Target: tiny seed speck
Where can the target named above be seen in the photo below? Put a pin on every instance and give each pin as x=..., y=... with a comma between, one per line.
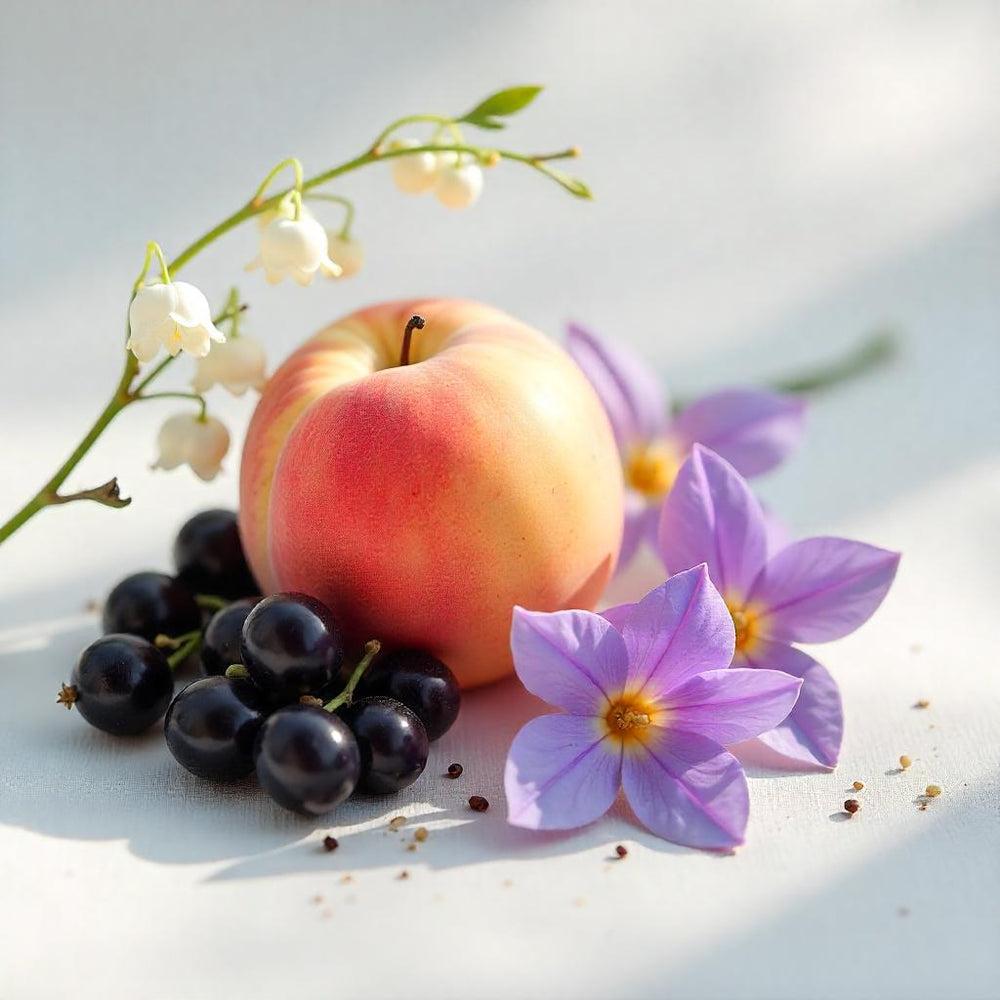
x=858, y=785
x=922, y=703
x=455, y=770
x=420, y=834
x=478, y=804
x=932, y=791
x=904, y=761
x=397, y=823
x=330, y=844
x=852, y=806
x=622, y=851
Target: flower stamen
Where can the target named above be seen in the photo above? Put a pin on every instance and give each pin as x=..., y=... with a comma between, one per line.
x=651, y=470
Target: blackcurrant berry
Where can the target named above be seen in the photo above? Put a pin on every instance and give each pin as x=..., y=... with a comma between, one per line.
x=306, y=759
x=211, y=727
x=151, y=604
x=291, y=646
x=122, y=684
x=220, y=645
x=392, y=741
x=209, y=556
x=422, y=683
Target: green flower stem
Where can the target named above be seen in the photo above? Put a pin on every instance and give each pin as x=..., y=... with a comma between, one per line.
x=372, y=648
x=399, y=123
x=266, y=182
x=152, y=248
x=196, y=397
x=125, y=393
x=876, y=350
x=338, y=199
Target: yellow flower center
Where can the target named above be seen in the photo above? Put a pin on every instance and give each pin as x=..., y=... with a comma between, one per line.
x=651, y=470
x=747, y=623
x=629, y=718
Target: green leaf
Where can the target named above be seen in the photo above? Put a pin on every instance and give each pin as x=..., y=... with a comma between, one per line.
x=500, y=105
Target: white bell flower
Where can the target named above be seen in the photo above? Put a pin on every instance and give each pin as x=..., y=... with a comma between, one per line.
x=175, y=316
x=293, y=248
x=416, y=173
x=186, y=438
x=459, y=186
x=237, y=365
x=347, y=252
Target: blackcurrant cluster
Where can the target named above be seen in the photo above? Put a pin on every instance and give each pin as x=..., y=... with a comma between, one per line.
x=277, y=696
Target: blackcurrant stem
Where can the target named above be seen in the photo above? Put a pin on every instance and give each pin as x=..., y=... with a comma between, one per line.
x=191, y=645
x=174, y=641
x=211, y=602
x=237, y=672
x=416, y=323
x=372, y=648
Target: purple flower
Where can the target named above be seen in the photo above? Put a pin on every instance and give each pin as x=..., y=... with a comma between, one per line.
x=752, y=429
x=814, y=590
x=647, y=707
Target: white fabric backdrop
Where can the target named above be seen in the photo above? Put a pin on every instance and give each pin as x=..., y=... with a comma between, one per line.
x=773, y=180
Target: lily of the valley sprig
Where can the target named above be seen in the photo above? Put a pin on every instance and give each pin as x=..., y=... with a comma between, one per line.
x=172, y=316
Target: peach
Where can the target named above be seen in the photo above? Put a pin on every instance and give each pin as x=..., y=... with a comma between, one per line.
x=422, y=502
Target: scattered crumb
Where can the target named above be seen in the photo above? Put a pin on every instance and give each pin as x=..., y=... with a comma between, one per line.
x=455, y=770
x=903, y=911
x=622, y=851
x=402, y=876
x=478, y=804
x=317, y=899
x=347, y=880
x=858, y=785
x=923, y=805
x=852, y=806
x=330, y=843
x=932, y=791
x=578, y=902
x=904, y=762
x=411, y=847
x=507, y=883
x=420, y=834
x=397, y=823
x=921, y=703
x=92, y=606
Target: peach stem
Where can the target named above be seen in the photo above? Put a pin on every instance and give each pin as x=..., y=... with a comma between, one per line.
x=416, y=323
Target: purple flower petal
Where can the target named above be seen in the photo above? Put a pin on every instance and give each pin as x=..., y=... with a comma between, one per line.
x=687, y=789
x=728, y=706
x=778, y=534
x=822, y=588
x=641, y=524
x=679, y=629
x=617, y=614
x=571, y=659
x=813, y=732
x=562, y=772
x=752, y=430
x=710, y=516
x=635, y=400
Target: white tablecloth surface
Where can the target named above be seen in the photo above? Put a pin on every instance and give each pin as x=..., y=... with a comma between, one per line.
x=773, y=180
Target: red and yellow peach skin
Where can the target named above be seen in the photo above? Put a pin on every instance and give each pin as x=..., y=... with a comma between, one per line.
x=421, y=503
